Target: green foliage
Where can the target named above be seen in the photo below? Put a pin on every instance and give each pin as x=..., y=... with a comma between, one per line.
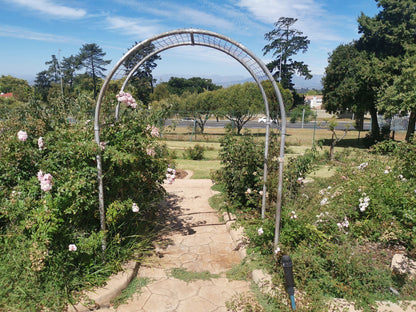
x=91, y=58
x=135, y=286
x=37, y=227
x=19, y=87
x=339, y=230
x=241, y=172
x=299, y=111
x=195, y=153
x=188, y=276
x=179, y=86
x=284, y=42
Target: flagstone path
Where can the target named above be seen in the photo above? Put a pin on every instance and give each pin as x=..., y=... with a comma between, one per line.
x=197, y=242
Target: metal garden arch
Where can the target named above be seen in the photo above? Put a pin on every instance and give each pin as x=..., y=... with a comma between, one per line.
x=192, y=37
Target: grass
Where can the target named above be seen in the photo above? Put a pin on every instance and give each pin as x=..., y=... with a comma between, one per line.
x=189, y=276
x=200, y=168
x=322, y=172
x=135, y=286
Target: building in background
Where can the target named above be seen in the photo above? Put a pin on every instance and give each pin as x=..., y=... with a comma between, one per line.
x=314, y=101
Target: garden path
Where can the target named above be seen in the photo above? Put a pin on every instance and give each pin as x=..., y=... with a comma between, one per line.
x=198, y=242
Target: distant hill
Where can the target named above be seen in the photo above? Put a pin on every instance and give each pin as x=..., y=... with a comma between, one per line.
x=314, y=83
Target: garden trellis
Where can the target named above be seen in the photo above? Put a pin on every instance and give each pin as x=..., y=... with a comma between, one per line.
x=197, y=37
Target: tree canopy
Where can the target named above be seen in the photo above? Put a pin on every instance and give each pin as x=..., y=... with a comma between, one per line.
x=375, y=73
x=91, y=58
x=284, y=43
x=142, y=80
x=178, y=86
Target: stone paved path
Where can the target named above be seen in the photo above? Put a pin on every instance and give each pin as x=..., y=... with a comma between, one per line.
x=198, y=242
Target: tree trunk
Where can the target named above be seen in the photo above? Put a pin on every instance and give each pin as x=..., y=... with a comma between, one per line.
x=359, y=121
x=411, y=126
x=375, y=129
x=332, y=147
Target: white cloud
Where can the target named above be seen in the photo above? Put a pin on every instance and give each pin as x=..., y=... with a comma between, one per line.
x=22, y=33
x=313, y=20
x=202, y=18
x=177, y=12
x=139, y=28
x=50, y=8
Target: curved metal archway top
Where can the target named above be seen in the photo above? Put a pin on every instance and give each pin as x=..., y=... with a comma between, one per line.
x=192, y=37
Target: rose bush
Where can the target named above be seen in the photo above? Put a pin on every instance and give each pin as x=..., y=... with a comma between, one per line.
x=49, y=220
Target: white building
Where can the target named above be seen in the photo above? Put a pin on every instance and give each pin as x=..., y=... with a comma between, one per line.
x=314, y=101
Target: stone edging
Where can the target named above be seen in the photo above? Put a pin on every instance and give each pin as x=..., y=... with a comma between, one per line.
x=102, y=297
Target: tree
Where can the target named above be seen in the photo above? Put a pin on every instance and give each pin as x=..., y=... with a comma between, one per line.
x=193, y=85
x=284, y=42
x=240, y=103
x=202, y=105
x=42, y=84
x=350, y=83
x=19, y=87
x=69, y=66
x=388, y=33
x=274, y=107
x=331, y=124
x=91, y=58
x=142, y=79
x=390, y=36
x=160, y=92
x=399, y=97
x=54, y=70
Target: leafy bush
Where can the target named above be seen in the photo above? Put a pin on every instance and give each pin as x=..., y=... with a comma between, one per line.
x=194, y=153
x=242, y=168
x=338, y=230
x=299, y=111
x=51, y=239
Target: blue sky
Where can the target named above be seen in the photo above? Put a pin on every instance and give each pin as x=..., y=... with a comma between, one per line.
x=32, y=30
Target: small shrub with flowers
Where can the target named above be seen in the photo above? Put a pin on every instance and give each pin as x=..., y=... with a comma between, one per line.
x=49, y=220
x=241, y=171
x=341, y=232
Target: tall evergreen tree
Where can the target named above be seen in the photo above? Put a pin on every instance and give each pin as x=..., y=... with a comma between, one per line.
x=91, y=58
x=69, y=67
x=142, y=79
x=54, y=69
x=285, y=42
x=42, y=84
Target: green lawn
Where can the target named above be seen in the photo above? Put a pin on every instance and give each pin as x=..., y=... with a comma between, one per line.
x=200, y=168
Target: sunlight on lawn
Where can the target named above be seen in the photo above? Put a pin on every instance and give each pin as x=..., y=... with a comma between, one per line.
x=200, y=168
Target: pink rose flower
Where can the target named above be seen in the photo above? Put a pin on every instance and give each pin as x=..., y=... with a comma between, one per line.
x=22, y=135
x=41, y=143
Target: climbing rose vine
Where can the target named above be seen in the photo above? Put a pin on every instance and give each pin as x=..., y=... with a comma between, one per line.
x=127, y=99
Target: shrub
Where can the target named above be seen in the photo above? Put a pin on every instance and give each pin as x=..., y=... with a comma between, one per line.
x=338, y=229
x=242, y=168
x=51, y=239
x=194, y=153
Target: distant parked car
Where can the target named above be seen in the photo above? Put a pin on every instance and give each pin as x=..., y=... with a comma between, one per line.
x=187, y=119
x=264, y=119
